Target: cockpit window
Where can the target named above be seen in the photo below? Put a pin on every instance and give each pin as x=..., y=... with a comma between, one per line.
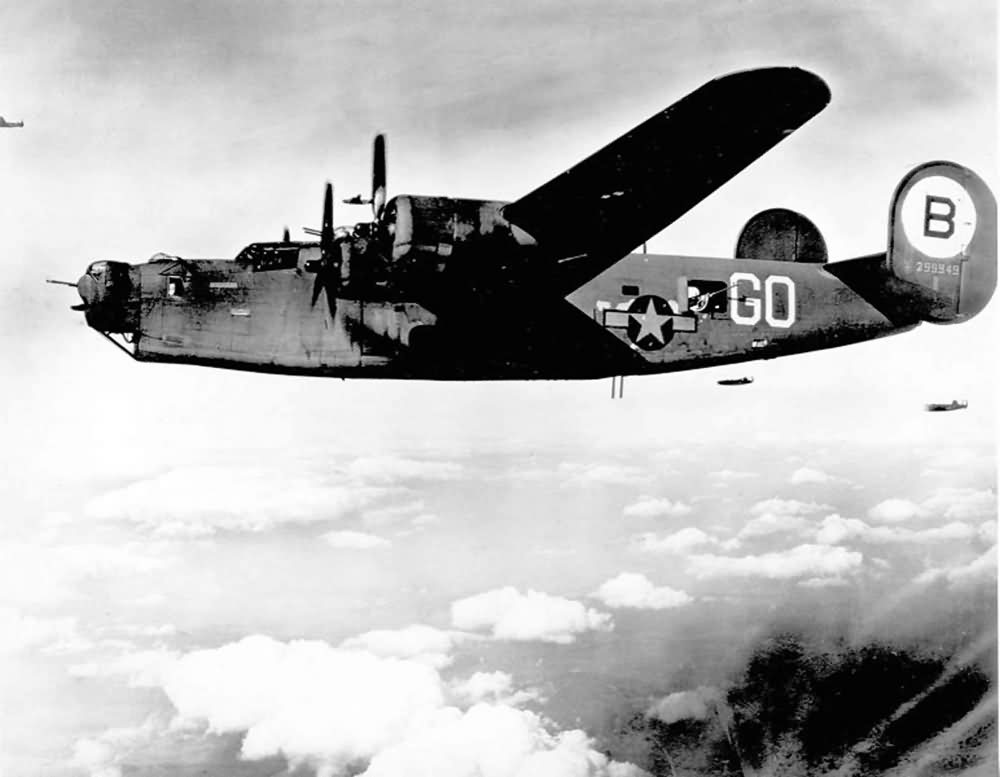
x=175, y=286
x=270, y=256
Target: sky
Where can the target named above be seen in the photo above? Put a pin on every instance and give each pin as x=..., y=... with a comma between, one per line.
x=217, y=572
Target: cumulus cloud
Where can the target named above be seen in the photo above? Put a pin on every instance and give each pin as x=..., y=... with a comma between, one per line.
x=197, y=501
x=418, y=642
x=801, y=561
x=809, y=475
x=491, y=687
x=636, y=591
x=961, y=504
x=511, y=615
x=895, y=510
x=346, y=711
x=766, y=525
x=648, y=507
x=495, y=740
x=982, y=569
x=835, y=530
x=678, y=542
x=686, y=705
x=354, y=540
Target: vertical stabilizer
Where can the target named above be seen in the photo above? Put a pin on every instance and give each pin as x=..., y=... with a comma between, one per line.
x=943, y=240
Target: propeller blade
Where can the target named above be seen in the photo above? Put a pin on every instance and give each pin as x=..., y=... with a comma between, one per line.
x=317, y=288
x=61, y=283
x=81, y=307
x=378, y=176
x=286, y=238
x=326, y=233
x=311, y=231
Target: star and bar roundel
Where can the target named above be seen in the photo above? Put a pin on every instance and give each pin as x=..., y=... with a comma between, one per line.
x=649, y=322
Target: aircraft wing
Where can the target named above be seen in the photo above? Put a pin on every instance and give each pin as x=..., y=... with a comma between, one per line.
x=598, y=211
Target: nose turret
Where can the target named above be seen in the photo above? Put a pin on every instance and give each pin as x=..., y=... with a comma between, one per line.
x=110, y=295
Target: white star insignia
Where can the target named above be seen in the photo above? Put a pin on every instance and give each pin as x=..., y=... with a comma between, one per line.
x=650, y=323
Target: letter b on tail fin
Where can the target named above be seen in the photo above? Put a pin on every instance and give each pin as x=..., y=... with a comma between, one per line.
x=943, y=240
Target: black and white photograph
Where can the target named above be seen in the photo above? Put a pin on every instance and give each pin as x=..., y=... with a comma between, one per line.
x=524, y=389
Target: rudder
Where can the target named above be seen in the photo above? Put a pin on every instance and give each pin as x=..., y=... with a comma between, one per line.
x=943, y=240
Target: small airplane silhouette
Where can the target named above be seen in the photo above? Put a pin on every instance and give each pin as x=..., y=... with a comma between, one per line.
x=939, y=407
x=5, y=123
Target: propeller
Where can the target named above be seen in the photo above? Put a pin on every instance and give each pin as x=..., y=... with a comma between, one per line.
x=327, y=268
x=286, y=238
x=377, y=199
x=378, y=177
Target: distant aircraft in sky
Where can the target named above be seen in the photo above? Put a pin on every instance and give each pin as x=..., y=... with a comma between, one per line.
x=955, y=404
x=547, y=287
x=5, y=123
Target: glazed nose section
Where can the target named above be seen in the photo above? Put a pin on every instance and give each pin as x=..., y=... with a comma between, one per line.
x=86, y=287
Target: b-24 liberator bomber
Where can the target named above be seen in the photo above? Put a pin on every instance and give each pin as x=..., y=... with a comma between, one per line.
x=10, y=124
x=551, y=286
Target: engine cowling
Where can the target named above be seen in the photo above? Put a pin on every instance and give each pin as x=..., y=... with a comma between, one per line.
x=781, y=235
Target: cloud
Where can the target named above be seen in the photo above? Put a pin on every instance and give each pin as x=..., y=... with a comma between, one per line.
x=766, y=525
x=511, y=615
x=648, y=507
x=686, y=705
x=197, y=501
x=633, y=590
x=495, y=740
x=808, y=475
x=492, y=687
x=777, y=506
x=679, y=542
x=418, y=642
x=345, y=711
x=895, y=510
x=982, y=569
x=835, y=530
x=961, y=504
x=800, y=561
x=354, y=540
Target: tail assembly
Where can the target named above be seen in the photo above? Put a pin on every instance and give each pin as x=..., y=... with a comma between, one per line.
x=943, y=242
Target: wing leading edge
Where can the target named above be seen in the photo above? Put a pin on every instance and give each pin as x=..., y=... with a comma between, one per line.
x=604, y=207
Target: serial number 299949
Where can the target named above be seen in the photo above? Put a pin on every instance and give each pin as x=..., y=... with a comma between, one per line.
x=938, y=268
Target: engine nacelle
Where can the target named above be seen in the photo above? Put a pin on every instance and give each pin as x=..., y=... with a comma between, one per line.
x=781, y=235
x=429, y=235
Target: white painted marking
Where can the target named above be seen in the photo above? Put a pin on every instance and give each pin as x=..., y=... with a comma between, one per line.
x=769, y=284
x=939, y=217
x=223, y=285
x=735, y=293
x=239, y=311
